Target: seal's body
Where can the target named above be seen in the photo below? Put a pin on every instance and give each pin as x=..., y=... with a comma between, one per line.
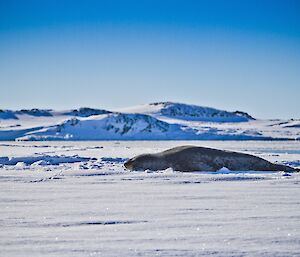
x=193, y=158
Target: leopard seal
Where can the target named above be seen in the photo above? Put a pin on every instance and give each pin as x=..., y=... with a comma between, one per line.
x=194, y=158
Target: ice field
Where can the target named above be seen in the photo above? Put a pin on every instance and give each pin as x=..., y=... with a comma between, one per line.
x=76, y=199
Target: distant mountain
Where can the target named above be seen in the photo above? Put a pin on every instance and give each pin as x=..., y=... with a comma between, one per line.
x=155, y=121
x=189, y=112
x=35, y=112
x=124, y=126
x=86, y=112
x=81, y=112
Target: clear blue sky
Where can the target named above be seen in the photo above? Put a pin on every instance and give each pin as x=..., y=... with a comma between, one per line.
x=230, y=55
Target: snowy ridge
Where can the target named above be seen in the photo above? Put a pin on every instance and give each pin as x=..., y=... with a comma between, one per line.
x=86, y=112
x=21, y=114
x=35, y=112
x=190, y=112
x=156, y=121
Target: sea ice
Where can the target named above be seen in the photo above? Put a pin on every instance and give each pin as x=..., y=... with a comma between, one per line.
x=104, y=210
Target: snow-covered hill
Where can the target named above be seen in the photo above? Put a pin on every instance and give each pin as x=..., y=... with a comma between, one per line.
x=111, y=126
x=157, y=121
x=188, y=112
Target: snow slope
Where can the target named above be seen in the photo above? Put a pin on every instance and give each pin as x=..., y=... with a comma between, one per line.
x=157, y=121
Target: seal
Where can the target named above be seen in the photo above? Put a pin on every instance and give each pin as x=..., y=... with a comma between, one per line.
x=194, y=158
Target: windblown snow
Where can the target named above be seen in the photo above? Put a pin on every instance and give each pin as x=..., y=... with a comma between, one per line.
x=156, y=121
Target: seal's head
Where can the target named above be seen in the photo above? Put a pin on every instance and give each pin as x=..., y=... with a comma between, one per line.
x=145, y=162
x=129, y=164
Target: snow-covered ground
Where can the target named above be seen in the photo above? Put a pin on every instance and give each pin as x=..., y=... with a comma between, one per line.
x=76, y=199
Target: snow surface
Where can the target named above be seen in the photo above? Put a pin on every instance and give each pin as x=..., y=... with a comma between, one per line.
x=157, y=121
x=94, y=207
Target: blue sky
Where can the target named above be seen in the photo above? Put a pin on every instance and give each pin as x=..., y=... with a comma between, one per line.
x=230, y=55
